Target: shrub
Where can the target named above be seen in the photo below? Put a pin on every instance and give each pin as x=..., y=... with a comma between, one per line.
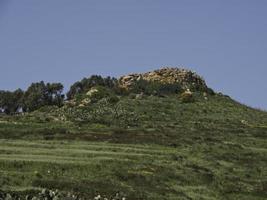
x=132, y=96
x=97, y=93
x=161, y=89
x=113, y=99
x=155, y=88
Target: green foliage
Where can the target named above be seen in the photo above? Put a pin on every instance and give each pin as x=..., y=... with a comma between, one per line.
x=113, y=99
x=155, y=88
x=107, y=111
x=100, y=93
x=86, y=84
x=41, y=94
x=54, y=94
x=11, y=102
x=96, y=94
x=36, y=96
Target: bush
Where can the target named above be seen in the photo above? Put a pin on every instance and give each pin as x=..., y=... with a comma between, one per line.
x=161, y=89
x=132, y=96
x=155, y=88
x=113, y=99
x=97, y=93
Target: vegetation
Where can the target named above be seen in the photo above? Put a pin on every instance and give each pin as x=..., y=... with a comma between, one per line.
x=36, y=96
x=155, y=88
x=81, y=87
x=140, y=144
x=11, y=102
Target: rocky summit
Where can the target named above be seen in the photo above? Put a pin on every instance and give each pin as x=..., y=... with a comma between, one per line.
x=187, y=79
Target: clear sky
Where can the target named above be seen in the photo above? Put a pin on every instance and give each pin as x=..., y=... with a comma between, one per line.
x=225, y=41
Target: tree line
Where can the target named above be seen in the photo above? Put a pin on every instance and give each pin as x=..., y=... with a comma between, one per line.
x=42, y=94
x=37, y=95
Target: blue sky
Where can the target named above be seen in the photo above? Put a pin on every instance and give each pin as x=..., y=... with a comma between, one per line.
x=225, y=41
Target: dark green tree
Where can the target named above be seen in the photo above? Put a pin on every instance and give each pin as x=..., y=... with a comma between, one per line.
x=87, y=83
x=41, y=94
x=11, y=102
x=54, y=94
x=75, y=89
x=35, y=96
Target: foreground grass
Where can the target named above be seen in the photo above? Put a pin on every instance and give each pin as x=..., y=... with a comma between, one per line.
x=138, y=171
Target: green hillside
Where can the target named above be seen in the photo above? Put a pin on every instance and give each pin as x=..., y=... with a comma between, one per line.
x=139, y=144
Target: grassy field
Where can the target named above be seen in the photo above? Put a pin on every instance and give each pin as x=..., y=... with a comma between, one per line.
x=215, y=149
x=138, y=171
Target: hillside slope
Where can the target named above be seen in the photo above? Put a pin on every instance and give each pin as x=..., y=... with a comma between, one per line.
x=142, y=146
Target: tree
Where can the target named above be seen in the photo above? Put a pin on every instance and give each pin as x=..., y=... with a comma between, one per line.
x=18, y=102
x=87, y=83
x=75, y=89
x=54, y=94
x=41, y=94
x=11, y=102
x=5, y=101
x=35, y=96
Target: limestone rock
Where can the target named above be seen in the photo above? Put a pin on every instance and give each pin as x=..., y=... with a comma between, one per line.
x=187, y=79
x=91, y=92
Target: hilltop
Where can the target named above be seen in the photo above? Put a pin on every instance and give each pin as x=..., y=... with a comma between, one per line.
x=158, y=135
x=187, y=79
x=165, y=81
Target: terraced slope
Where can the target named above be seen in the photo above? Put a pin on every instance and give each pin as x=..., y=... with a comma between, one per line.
x=139, y=171
x=79, y=166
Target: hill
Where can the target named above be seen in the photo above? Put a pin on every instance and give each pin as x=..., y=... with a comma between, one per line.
x=159, y=135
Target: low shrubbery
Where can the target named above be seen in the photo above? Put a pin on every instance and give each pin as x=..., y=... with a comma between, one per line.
x=94, y=95
x=106, y=111
x=155, y=88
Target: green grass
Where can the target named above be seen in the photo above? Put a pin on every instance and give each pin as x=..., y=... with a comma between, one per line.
x=213, y=149
x=140, y=171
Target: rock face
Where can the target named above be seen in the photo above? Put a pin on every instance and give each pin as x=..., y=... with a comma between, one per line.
x=187, y=79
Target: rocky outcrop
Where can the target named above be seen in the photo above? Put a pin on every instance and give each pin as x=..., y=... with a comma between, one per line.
x=187, y=79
